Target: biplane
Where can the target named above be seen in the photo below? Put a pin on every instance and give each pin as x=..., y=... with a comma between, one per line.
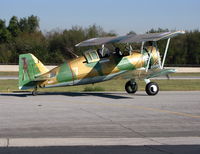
x=102, y=64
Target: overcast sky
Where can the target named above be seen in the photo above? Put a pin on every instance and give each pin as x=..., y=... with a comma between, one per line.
x=120, y=16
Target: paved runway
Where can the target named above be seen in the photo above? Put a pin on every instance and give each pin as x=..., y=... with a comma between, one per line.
x=167, y=122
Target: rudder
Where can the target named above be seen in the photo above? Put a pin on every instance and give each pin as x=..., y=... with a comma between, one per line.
x=29, y=68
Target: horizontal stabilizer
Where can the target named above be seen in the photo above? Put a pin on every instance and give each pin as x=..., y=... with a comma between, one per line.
x=29, y=68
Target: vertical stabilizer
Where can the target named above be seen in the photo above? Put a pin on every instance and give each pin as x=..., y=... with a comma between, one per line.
x=29, y=68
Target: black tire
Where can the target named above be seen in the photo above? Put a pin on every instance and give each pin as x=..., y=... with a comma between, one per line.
x=152, y=88
x=131, y=87
x=34, y=93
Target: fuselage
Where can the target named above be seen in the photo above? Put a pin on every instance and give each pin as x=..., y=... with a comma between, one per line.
x=81, y=71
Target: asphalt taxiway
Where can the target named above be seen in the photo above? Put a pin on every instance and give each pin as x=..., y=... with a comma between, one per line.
x=166, y=123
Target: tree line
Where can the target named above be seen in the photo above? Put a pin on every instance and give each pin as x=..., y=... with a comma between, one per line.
x=24, y=36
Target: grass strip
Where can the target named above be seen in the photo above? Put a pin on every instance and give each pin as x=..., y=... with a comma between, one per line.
x=111, y=85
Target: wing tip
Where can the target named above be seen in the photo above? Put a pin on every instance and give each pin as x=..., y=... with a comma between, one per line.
x=181, y=31
x=77, y=45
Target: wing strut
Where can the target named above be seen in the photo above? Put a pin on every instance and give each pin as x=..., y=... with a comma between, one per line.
x=102, y=49
x=148, y=63
x=166, y=49
x=158, y=54
x=142, y=47
x=130, y=49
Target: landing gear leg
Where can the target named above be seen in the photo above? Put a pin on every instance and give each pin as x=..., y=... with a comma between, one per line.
x=131, y=87
x=34, y=92
x=152, y=88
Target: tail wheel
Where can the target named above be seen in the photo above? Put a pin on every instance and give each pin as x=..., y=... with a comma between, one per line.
x=152, y=88
x=131, y=87
x=34, y=92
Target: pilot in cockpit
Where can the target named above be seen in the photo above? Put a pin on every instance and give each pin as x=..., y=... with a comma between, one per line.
x=103, y=52
x=118, y=52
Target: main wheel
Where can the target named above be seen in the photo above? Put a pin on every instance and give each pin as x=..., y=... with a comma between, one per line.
x=152, y=88
x=131, y=87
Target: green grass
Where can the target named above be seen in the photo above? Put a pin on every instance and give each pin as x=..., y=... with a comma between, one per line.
x=8, y=73
x=94, y=88
x=112, y=85
x=8, y=85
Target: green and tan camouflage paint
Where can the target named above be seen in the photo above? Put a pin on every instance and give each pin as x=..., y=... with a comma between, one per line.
x=33, y=73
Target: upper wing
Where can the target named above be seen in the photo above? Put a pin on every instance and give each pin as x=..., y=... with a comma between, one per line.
x=100, y=41
x=130, y=38
x=151, y=37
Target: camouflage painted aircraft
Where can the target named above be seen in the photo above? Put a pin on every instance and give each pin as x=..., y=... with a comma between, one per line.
x=102, y=64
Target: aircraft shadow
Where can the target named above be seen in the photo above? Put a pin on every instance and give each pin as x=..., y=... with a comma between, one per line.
x=121, y=149
x=72, y=94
